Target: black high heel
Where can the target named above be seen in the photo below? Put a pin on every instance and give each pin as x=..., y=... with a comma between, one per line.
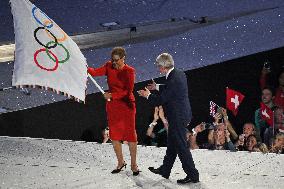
x=136, y=173
x=117, y=170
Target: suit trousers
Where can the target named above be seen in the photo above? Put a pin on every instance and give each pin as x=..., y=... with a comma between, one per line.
x=177, y=145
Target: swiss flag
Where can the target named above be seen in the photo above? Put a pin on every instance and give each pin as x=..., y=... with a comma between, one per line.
x=266, y=114
x=233, y=100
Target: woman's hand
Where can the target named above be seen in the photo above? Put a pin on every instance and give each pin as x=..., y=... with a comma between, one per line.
x=107, y=96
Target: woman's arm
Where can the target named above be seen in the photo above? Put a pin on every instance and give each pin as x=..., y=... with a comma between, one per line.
x=101, y=71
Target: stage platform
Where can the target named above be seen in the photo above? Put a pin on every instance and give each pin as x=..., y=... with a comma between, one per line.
x=52, y=163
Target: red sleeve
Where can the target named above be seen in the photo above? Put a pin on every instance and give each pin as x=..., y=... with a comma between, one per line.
x=128, y=88
x=263, y=80
x=98, y=71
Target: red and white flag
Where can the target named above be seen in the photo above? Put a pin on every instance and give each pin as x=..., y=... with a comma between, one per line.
x=233, y=100
x=266, y=114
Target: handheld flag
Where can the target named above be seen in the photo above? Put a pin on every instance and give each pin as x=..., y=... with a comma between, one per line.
x=45, y=56
x=266, y=114
x=233, y=100
x=213, y=108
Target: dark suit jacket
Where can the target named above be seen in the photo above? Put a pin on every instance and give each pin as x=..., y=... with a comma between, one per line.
x=174, y=99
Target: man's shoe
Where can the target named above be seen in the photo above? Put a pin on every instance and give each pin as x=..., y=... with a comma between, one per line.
x=158, y=172
x=186, y=180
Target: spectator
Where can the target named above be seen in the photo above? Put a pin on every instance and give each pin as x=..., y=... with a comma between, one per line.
x=248, y=129
x=279, y=95
x=218, y=138
x=278, y=144
x=263, y=131
x=260, y=147
x=250, y=143
x=105, y=134
x=157, y=131
x=191, y=136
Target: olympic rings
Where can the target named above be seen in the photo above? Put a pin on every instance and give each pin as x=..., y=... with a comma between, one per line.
x=52, y=44
x=41, y=42
x=60, y=61
x=47, y=69
x=38, y=21
x=58, y=39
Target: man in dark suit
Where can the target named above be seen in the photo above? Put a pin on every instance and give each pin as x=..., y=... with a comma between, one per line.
x=173, y=96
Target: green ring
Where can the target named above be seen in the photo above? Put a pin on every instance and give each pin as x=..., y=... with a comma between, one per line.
x=60, y=61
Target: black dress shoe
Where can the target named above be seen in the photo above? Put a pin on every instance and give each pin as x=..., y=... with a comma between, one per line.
x=157, y=171
x=117, y=170
x=186, y=180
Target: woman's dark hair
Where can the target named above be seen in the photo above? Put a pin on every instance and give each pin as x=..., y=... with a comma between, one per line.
x=120, y=51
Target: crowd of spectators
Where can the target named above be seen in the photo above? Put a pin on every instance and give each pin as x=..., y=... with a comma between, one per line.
x=256, y=136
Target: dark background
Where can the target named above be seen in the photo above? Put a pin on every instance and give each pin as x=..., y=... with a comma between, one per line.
x=75, y=121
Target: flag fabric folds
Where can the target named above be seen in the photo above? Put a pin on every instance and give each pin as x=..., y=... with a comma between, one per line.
x=45, y=56
x=233, y=100
x=266, y=114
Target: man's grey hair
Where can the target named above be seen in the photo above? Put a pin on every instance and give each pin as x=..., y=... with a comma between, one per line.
x=165, y=60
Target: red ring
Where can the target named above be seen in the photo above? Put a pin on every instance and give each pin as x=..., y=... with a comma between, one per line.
x=47, y=69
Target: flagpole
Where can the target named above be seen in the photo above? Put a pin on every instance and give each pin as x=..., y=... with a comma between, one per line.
x=97, y=85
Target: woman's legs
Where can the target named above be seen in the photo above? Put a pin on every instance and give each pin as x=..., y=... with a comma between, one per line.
x=118, y=151
x=133, y=153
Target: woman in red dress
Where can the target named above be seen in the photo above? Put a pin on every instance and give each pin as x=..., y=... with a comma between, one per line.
x=121, y=108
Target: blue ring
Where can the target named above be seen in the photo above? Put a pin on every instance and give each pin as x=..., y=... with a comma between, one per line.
x=38, y=21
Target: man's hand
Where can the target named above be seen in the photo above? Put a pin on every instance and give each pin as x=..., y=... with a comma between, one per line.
x=144, y=93
x=107, y=96
x=152, y=86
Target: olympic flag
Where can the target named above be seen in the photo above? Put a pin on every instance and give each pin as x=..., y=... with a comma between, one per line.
x=45, y=56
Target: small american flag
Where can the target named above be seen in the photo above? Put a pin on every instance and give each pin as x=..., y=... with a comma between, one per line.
x=213, y=108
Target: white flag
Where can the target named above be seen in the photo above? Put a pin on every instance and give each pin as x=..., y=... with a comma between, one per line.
x=45, y=55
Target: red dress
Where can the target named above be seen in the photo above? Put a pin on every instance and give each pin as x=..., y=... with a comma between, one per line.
x=121, y=109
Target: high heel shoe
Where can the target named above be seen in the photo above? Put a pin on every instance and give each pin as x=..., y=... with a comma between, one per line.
x=117, y=170
x=136, y=173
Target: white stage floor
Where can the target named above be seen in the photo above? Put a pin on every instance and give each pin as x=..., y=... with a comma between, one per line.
x=45, y=163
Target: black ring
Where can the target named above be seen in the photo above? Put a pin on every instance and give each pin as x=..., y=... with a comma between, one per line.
x=53, y=46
